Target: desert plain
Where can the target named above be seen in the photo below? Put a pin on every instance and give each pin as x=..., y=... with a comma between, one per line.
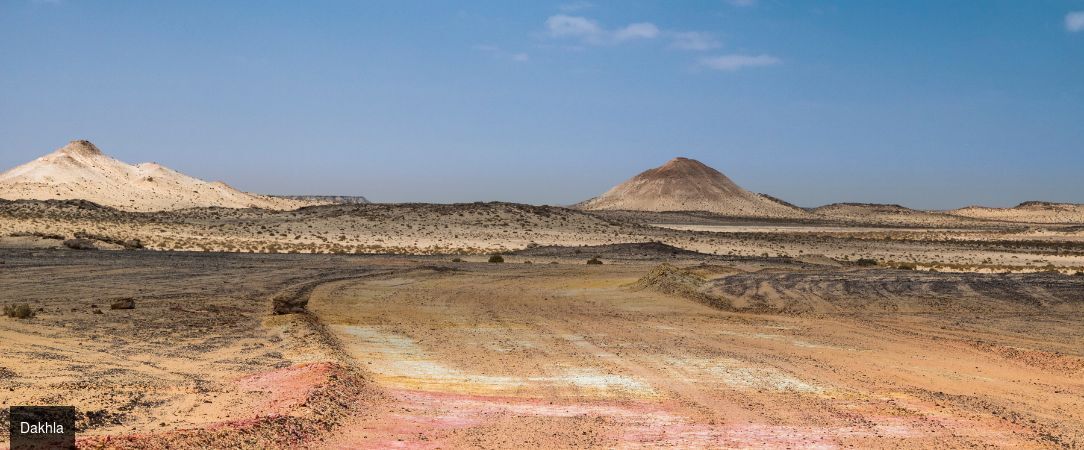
x=651, y=316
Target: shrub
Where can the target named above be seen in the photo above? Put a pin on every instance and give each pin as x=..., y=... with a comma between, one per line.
x=496, y=259
x=906, y=266
x=124, y=303
x=19, y=311
x=866, y=262
x=594, y=260
x=457, y=259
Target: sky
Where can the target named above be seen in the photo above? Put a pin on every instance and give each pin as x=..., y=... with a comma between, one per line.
x=929, y=104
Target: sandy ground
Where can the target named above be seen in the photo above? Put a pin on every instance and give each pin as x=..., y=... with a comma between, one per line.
x=195, y=351
x=571, y=357
x=423, y=352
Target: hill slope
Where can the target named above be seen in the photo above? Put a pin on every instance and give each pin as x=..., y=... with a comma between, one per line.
x=684, y=184
x=81, y=171
x=1031, y=212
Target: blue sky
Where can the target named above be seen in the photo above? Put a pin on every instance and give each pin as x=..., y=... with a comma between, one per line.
x=931, y=104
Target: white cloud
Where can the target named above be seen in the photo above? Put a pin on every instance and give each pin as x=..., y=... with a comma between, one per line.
x=643, y=30
x=1074, y=21
x=742, y=3
x=694, y=40
x=590, y=32
x=572, y=26
x=731, y=63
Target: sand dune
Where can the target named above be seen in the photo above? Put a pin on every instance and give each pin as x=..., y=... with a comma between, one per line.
x=81, y=171
x=684, y=184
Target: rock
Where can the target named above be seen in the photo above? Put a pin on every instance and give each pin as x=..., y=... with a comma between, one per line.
x=124, y=303
x=80, y=244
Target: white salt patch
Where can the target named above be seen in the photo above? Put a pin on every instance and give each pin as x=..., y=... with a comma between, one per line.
x=393, y=355
x=741, y=375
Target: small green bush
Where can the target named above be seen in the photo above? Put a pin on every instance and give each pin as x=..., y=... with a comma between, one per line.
x=594, y=260
x=19, y=311
x=496, y=259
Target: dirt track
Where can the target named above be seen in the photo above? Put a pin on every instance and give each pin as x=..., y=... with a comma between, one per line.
x=572, y=357
x=427, y=353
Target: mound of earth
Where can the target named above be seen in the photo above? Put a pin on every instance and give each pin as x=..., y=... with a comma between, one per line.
x=1030, y=212
x=875, y=213
x=673, y=280
x=80, y=170
x=688, y=185
x=877, y=290
x=834, y=290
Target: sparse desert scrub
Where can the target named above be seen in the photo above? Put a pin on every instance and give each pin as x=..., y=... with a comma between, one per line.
x=470, y=229
x=496, y=259
x=19, y=311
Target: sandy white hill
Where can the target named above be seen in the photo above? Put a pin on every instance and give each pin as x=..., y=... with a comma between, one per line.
x=684, y=184
x=1031, y=212
x=80, y=170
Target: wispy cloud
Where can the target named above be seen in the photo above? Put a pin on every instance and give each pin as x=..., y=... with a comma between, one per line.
x=572, y=26
x=644, y=30
x=1074, y=21
x=590, y=32
x=731, y=63
x=742, y=3
x=694, y=40
x=499, y=53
